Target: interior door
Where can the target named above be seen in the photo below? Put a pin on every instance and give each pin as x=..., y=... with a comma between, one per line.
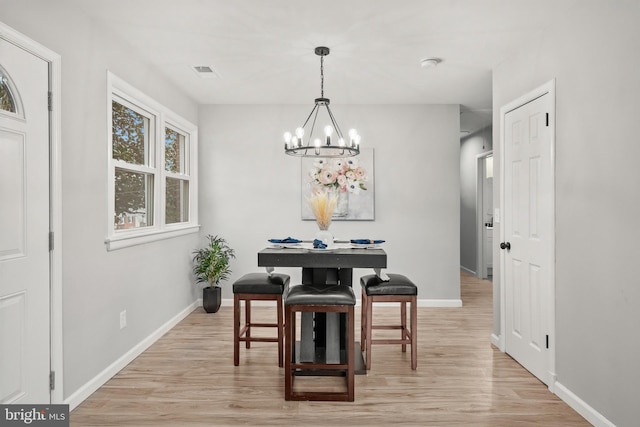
x=24, y=227
x=528, y=238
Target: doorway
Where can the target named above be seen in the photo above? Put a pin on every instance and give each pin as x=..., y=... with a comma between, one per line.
x=484, y=215
x=527, y=231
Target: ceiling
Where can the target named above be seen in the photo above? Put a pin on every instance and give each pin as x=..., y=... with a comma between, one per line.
x=262, y=51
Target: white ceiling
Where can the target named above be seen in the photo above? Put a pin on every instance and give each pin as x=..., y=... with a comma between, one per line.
x=263, y=50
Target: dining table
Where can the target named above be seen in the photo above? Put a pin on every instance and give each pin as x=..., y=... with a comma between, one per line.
x=323, y=335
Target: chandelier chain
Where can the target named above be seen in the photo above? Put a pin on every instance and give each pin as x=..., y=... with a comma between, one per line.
x=322, y=76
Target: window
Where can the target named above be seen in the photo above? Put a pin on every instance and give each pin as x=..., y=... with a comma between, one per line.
x=9, y=103
x=152, y=162
x=6, y=98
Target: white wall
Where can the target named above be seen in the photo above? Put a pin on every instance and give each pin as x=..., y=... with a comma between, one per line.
x=595, y=59
x=250, y=190
x=152, y=282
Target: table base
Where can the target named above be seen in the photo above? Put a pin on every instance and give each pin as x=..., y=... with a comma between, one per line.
x=320, y=357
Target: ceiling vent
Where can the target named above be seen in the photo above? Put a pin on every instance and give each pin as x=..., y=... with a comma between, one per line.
x=205, y=71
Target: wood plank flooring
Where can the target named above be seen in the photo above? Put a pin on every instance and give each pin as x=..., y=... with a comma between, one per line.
x=187, y=378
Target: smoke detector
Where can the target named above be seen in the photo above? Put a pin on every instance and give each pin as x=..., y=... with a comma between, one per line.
x=430, y=62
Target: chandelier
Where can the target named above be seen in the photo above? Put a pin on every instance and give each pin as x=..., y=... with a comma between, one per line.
x=317, y=145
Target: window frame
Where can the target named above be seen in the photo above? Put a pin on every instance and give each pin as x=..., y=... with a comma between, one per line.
x=161, y=117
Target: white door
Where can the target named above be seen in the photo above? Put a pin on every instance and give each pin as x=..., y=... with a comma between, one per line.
x=528, y=234
x=24, y=227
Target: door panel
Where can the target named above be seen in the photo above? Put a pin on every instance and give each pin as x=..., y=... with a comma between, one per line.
x=24, y=227
x=527, y=223
x=12, y=209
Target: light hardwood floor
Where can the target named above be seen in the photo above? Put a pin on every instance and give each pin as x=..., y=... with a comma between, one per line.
x=187, y=378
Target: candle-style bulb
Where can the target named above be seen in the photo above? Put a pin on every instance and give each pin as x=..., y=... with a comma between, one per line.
x=352, y=136
x=300, y=133
x=287, y=140
x=317, y=142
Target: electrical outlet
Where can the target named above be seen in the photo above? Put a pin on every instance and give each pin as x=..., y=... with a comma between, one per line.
x=123, y=319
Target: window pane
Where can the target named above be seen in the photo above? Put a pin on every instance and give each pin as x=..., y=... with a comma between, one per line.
x=175, y=151
x=7, y=102
x=177, y=203
x=134, y=200
x=130, y=135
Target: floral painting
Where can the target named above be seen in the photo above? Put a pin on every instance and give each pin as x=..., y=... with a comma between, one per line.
x=349, y=180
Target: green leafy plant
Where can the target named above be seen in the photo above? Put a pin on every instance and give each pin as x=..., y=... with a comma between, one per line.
x=211, y=263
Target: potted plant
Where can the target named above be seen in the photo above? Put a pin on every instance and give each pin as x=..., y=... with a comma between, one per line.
x=211, y=266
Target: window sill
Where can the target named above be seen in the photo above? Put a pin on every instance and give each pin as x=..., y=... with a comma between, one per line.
x=128, y=240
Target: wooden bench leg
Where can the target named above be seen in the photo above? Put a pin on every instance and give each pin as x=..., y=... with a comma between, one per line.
x=414, y=333
x=368, y=333
x=403, y=324
x=289, y=345
x=280, y=322
x=247, y=321
x=236, y=330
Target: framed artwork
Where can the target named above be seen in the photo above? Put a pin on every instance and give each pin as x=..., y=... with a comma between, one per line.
x=349, y=179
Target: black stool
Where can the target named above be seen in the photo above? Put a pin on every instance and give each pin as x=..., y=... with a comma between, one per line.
x=319, y=299
x=398, y=289
x=257, y=287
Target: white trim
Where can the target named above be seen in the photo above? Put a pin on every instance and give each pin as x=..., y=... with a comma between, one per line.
x=547, y=88
x=133, y=239
x=480, y=255
x=162, y=116
x=581, y=407
x=497, y=341
x=442, y=303
x=468, y=270
x=55, y=208
x=99, y=380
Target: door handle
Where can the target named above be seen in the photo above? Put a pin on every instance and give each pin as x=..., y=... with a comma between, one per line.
x=505, y=245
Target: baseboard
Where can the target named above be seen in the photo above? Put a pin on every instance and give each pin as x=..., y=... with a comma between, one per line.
x=581, y=407
x=442, y=303
x=467, y=270
x=99, y=380
x=497, y=341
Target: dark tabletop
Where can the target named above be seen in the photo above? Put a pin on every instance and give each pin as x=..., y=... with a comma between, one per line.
x=334, y=258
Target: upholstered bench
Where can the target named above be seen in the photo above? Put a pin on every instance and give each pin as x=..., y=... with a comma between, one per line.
x=319, y=299
x=257, y=287
x=397, y=289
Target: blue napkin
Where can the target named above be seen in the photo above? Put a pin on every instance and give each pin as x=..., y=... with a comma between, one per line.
x=286, y=240
x=318, y=244
x=366, y=241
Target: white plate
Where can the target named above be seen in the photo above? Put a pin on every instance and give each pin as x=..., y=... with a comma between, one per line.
x=321, y=249
x=365, y=245
x=286, y=245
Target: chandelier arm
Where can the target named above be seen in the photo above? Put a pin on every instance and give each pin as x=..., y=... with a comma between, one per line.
x=335, y=123
x=315, y=107
x=313, y=124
